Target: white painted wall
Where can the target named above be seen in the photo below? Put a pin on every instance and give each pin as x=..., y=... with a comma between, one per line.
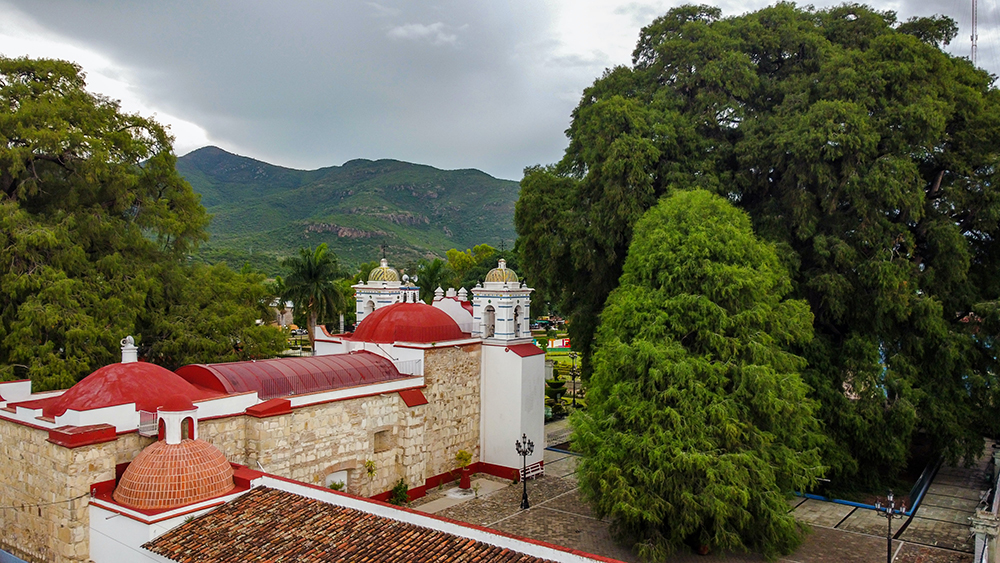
x=122, y=417
x=513, y=398
x=456, y=311
x=347, y=393
x=14, y=391
x=326, y=347
x=226, y=405
x=115, y=538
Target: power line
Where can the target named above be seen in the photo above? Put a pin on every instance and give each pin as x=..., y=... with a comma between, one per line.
x=41, y=504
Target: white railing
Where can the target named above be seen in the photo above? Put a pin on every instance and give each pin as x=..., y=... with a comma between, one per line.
x=533, y=470
x=148, y=424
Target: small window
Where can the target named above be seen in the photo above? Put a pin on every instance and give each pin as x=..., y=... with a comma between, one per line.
x=337, y=480
x=383, y=441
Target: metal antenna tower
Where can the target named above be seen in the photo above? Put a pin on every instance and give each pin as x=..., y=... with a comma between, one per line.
x=975, y=24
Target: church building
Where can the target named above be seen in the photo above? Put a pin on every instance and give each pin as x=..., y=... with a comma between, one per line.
x=412, y=386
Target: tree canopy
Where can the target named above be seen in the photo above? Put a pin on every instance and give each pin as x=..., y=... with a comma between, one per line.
x=862, y=150
x=95, y=229
x=697, y=422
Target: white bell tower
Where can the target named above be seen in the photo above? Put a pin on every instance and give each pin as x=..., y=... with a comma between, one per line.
x=501, y=308
x=513, y=369
x=384, y=287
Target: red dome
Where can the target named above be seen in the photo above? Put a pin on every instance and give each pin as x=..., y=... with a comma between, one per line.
x=408, y=322
x=142, y=383
x=177, y=403
x=169, y=475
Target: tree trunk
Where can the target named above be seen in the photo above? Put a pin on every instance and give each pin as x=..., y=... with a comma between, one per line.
x=312, y=332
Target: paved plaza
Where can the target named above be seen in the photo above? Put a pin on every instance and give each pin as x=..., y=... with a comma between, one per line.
x=938, y=532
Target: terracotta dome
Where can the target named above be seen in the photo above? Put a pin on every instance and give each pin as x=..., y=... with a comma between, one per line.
x=165, y=476
x=501, y=274
x=408, y=322
x=383, y=273
x=142, y=383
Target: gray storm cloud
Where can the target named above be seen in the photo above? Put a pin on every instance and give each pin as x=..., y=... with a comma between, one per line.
x=454, y=84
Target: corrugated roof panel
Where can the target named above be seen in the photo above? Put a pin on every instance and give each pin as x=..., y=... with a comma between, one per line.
x=291, y=376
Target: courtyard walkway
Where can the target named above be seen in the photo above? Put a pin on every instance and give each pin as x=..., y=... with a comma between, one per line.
x=938, y=533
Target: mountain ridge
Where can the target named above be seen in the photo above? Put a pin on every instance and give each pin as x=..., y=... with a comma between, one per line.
x=263, y=213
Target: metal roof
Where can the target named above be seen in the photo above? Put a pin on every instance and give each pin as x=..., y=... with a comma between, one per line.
x=146, y=385
x=408, y=322
x=293, y=376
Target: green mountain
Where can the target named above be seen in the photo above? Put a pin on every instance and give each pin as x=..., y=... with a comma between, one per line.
x=263, y=213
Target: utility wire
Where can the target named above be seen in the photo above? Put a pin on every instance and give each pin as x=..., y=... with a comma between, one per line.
x=41, y=504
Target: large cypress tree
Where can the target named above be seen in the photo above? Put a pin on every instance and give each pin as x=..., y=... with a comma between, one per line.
x=858, y=146
x=697, y=422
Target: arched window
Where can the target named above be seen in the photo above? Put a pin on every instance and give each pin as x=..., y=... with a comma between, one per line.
x=187, y=429
x=161, y=432
x=489, y=321
x=517, y=321
x=369, y=307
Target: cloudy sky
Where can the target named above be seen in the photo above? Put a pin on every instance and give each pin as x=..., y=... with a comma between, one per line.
x=486, y=84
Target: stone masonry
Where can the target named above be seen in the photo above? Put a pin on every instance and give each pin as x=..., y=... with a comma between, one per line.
x=306, y=445
x=36, y=472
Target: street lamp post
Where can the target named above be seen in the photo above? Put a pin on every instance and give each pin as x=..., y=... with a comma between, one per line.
x=524, y=447
x=889, y=511
x=573, y=375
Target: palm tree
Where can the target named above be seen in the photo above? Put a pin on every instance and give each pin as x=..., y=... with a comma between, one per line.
x=430, y=275
x=312, y=286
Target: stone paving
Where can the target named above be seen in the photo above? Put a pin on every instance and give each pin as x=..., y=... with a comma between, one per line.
x=938, y=533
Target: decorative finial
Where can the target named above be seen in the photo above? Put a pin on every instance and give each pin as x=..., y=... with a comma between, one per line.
x=129, y=351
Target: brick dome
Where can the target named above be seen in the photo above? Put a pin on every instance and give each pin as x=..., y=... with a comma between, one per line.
x=408, y=322
x=166, y=476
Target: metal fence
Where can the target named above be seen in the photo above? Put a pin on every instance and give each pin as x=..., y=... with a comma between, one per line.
x=147, y=424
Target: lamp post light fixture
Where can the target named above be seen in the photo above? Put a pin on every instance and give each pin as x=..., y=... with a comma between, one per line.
x=889, y=511
x=524, y=447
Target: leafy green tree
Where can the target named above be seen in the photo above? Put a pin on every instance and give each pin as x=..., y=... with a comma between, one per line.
x=213, y=312
x=460, y=263
x=856, y=145
x=312, y=286
x=95, y=229
x=364, y=270
x=697, y=421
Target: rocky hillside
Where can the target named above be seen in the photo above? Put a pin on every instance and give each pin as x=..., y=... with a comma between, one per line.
x=263, y=213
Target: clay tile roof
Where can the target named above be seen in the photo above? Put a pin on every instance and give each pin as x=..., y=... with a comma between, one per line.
x=270, y=525
x=169, y=475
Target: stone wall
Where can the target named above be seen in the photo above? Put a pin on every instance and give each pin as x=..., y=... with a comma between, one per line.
x=315, y=441
x=413, y=443
x=34, y=471
x=453, y=391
